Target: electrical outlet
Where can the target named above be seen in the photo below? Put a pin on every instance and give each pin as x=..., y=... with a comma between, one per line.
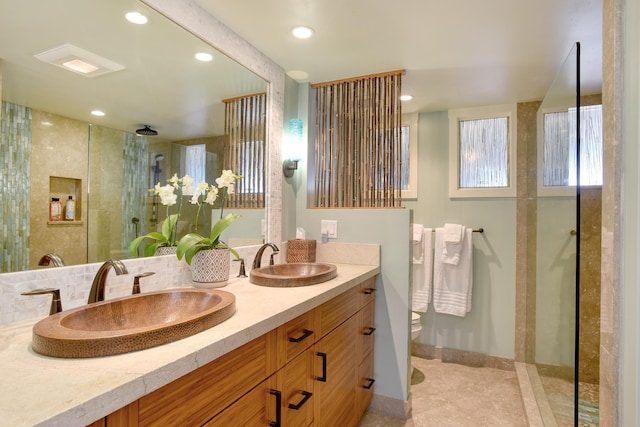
x=330, y=228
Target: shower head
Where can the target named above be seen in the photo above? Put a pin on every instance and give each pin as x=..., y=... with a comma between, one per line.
x=135, y=220
x=159, y=157
x=146, y=131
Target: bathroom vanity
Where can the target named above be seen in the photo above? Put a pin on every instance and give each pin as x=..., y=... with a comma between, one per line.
x=297, y=356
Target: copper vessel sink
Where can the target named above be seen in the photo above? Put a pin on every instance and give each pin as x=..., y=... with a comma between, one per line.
x=293, y=274
x=131, y=323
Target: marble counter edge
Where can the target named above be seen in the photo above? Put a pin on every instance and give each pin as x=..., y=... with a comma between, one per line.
x=130, y=374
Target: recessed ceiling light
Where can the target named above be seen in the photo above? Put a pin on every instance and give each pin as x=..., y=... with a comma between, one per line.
x=203, y=56
x=136, y=18
x=406, y=97
x=298, y=75
x=302, y=32
x=80, y=61
x=80, y=66
x=98, y=113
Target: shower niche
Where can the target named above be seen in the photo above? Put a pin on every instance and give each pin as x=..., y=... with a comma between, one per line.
x=61, y=188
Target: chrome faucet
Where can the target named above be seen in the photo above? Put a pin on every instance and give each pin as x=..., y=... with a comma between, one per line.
x=97, y=287
x=54, y=259
x=258, y=259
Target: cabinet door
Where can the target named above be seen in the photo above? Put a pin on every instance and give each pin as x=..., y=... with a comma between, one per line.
x=335, y=367
x=296, y=381
x=198, y=396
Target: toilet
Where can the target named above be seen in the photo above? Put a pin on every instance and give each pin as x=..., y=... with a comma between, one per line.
x=416, y=326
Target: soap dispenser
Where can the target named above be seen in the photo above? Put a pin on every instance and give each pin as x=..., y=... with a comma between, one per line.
x=70, y=210
x=55, y=210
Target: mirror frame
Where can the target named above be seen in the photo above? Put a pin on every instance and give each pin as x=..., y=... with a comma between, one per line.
x=192, y=17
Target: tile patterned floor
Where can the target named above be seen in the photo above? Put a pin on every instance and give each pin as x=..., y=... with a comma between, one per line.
x=452, y=395
x=560, y=394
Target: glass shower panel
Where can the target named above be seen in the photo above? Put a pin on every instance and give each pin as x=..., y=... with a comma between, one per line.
x=557, y=246
x=118, y=186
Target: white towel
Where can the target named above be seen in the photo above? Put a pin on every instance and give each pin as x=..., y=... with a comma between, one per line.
x=417, y=233
x=452, y=241
x=452, y=284
x=453, y=233
x=422, y=275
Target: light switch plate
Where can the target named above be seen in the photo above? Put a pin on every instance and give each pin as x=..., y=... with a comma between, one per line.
x=330, y=228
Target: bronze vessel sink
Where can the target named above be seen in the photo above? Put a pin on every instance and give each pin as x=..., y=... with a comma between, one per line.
x=293, y=274
x=131, y=323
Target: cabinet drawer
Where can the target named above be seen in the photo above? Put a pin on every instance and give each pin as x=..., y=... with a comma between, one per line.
x=366, y=330
x=367, y=291
x=252, y=409
x=200, y=395
x=335, y=311
x=364, y=387
x=295, y=336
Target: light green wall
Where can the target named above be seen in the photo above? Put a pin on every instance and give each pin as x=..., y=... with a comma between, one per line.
x=390, y=229
x=387, y=227
x=490, y=326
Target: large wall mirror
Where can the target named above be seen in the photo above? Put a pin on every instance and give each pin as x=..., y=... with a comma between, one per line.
x=53, y=147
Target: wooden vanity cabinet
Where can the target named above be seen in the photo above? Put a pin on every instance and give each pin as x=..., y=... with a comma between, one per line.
x=314, y=370
x=198, y=396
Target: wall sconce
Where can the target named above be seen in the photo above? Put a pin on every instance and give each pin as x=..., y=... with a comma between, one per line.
x=289, y=166
x=292, y=147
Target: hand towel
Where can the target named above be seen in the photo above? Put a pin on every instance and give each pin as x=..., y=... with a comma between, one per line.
x=422, y=275
x=453, y=233
x=453, y=284
x=452, y=241
x=417, y=232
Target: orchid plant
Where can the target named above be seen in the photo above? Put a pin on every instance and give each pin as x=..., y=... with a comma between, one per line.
x=192, y=243
x=168, y=197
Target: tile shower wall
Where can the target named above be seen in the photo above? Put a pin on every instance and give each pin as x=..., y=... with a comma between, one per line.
x=15, y=164
x=135, y=186
x=59, y=147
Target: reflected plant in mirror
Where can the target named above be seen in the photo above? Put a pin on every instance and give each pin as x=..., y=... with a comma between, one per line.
x=168, y=236
x=192, y=243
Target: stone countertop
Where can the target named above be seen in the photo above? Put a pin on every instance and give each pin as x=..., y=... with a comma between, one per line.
x=44, y=391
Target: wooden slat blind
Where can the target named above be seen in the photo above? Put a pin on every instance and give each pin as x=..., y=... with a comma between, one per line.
x=358, y=159
x=245, y=148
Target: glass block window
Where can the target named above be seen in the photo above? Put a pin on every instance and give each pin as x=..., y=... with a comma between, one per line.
x=404, y=142
x=559, y=149
x=195, y=158
x=484, y=153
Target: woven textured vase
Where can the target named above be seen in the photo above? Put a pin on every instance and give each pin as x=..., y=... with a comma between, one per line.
x=210, y=268
x=166, y=250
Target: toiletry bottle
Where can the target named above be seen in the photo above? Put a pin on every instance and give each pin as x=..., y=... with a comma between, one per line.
x=55, y=209
x=70, y=210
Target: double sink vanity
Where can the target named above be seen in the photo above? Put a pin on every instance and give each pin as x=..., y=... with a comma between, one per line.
x=258, y=351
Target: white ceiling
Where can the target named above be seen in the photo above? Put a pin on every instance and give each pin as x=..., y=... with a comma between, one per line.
x=456, y=53
x=161, y=85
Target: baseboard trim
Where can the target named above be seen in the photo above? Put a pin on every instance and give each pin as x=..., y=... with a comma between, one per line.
x=391, y=407
x=462, y=357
